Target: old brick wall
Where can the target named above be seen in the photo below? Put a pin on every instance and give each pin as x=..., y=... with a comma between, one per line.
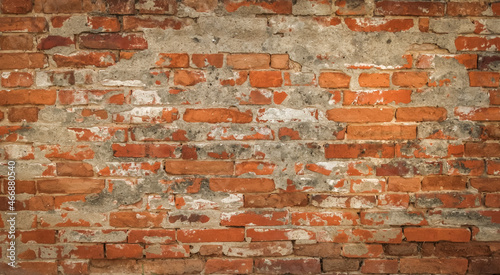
x=251, y=136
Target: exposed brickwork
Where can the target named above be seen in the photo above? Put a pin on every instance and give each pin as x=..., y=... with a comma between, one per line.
x=251, y=136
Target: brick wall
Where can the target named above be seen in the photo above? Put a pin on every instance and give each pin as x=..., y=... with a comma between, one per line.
x=251, y=136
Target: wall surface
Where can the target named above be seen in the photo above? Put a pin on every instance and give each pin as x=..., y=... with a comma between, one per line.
x=251, y=136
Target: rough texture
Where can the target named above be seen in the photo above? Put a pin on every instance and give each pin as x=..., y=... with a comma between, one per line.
x=252, y=136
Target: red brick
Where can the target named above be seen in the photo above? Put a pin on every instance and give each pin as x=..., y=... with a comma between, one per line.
x=241, y=185
x=378, y=25
x=265, y=79
x=287, y=266
x=189, y=167
x=484, y=79
x=189, y=78
x=433, y=266
x=492, y=200
x=10, y=61
x=70, y=186
x=494, y=97
x=279, y=61
x=150, y=236
x=493, y=167
x=136, y=219
x=276, y=200
x=336, y=265
x=78, y=152
x=210, y=250
x=23, y=24
x=466, y=167
x=323, y=250
x=45, y=236
x=16, y=42
x=64, y=202
x=345, y=7
x=360, y=115
x=59, y=6
x=393, y=201
x=362, y=250
x=121, y=6
x=17, y=79
x=496, y=8
x=74, y=251
x=274, y=7
x=421, y=114
x=17, y=6
x=381, y=132
x=229, y=266
x=439, y=183
x=374, y=80
x=19, y=114
x=478, y=114
x=482, y=150
x=103, y=23
x=211, y=235
x=203, y=6
x=167, y=251
x=286, y=133
x=259, y=218
x=206, y=60
x=74, y=267
x=490, y=132
x=130, y=169
x=74, y=169
x=254, y=168
x=217, y=115
x=448, y=200
x=129, y=150
x=334, y=80
x=157, y=6
x=485, y=265
x=410, y=79
x=32, y=267
x=133, y=23
x=466, y=8
x=22, y=186
x=377, y=97
x=249, y=61
x=370, y=150
x=476, y=43
x=173, y=60
x=52, y=41
x=414, y=8
x=415, y=234
x=324, y=218
x=380, y=266
x=486, y=184
x=113, y=41
x=82, y=59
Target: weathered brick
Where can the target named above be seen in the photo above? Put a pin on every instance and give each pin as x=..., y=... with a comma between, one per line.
x=23, y=24
x=290, y=266
x=435, y=266
x=415, y=8
x=16, y=79
x=113, y=41
x=275, y=7
x=378, y=25
x=10, y=61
